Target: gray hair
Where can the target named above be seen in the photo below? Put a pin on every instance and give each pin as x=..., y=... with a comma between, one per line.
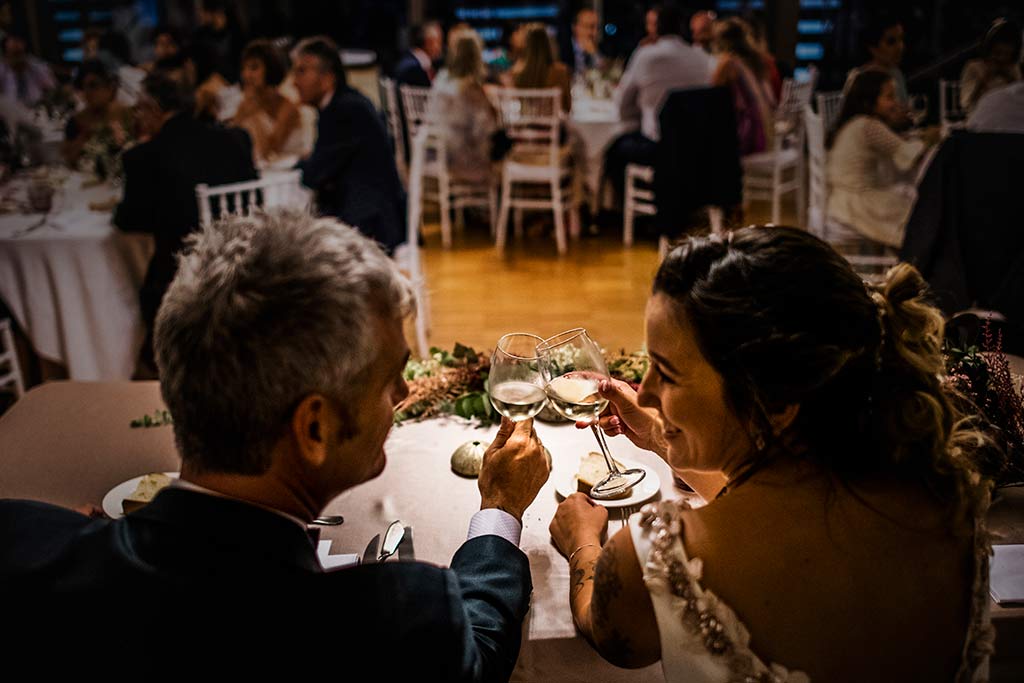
x=265, y=310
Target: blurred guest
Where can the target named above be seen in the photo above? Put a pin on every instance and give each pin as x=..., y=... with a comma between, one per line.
x=167, y=43
x=581, y=51
x=870, y=165
x=351, y=168
x=669, y=64
x=702, y=29
x=465, y=114
x=998, y=66
x=513, y=39
x=102, y=121
x=759, y=37
x=454, y=34
x=417, y=66
x=883, y=39
x=1000, y=111
x=220, y=35
x=271, y=119
x=213, y=92
x=650, y=28
x=161, y=175
x=538, y=67
x=742, y=69
x=22, y=76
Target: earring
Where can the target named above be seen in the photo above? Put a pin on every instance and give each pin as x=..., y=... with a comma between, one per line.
x=759, y=443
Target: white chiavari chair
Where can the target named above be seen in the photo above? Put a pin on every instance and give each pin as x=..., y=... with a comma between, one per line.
x=537, y=164
x=275, y=189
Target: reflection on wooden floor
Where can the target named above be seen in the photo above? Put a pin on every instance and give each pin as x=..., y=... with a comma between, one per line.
x=476, y=296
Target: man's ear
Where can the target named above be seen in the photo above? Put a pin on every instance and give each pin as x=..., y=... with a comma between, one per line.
x=312, y=422
x=781, y=420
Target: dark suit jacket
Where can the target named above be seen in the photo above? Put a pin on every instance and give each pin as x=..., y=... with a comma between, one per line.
x=697, y=162
x=353, y=172
x=160, y=190
x=409, y=71
x=237, y=575
x=965, y=234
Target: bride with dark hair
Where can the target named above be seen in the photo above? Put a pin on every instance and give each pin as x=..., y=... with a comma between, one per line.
x=843, y=538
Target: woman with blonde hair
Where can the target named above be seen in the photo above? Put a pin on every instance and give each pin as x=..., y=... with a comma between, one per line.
x=538, y=67
x=462, y=112
x=741, y=68
x=843, y=532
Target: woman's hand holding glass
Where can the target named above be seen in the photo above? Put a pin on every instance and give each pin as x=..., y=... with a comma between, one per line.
x=625, y=416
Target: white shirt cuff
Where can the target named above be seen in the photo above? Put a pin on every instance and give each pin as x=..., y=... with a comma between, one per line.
x=495, y=522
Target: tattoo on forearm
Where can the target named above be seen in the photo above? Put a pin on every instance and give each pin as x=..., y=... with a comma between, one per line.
x=581, y=576
x=614, y=646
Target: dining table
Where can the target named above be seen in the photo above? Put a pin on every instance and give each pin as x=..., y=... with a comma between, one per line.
x=596, y=122
x=71, y=279
x=71, y=443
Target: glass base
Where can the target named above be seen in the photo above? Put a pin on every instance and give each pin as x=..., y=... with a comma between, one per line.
x=616, y=483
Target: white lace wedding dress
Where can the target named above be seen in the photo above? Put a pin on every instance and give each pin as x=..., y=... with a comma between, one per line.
x=702, y=639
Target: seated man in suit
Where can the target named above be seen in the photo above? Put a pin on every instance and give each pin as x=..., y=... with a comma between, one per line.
x=351, y=168
x=161, y=175
x=281, y=357
x=417, y=65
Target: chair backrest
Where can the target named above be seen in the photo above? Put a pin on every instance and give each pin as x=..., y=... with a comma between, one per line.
x=416, y=106
x=817, y=180
x=276, y=189
x=389, y=105
x=829, y=104
x=531, y=118
x=950, y=109
x=795, y=95
x=10, y=371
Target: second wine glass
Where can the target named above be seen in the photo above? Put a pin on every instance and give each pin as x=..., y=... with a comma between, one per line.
x=573, y=368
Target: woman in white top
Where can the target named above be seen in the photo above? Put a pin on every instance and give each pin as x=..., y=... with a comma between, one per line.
x=848, y=542
x=272, y=120
x=461, y=110
x=870, y=167
x=998, y=66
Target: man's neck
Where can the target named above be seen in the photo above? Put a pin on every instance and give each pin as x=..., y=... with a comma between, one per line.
x=269, y=490
x=326, y=98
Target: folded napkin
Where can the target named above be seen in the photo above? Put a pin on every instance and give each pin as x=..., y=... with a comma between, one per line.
x=1006, y=577
x=329, y=562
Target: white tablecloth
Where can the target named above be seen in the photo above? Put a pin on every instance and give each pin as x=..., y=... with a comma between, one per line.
x=73, y=284
x=597, y=124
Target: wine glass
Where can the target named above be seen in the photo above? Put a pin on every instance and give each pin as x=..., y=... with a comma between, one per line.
x=514, y=383
x=918, y=109
x=573, y=367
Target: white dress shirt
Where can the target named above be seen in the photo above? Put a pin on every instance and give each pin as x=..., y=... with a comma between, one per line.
x=1000, y=111
x=654, y=70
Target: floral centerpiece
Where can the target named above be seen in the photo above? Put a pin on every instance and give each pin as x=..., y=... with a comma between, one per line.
x=101, y=154
x=980, y=380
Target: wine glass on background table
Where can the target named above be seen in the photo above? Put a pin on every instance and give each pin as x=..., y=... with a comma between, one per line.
x=514, y=383
x=918, y=109
x=573, y=368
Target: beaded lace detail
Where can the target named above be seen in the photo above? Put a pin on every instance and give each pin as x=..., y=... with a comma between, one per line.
x=720, y=633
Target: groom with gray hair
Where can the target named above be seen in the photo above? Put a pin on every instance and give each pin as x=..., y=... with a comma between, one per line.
x=281, y=356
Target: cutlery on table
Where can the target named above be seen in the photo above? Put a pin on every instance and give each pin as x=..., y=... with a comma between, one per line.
x=392, y=537
x=405, y=548
x=370, y=554
x=329, y=520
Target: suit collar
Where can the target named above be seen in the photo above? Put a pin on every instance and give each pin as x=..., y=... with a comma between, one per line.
x=253, y=529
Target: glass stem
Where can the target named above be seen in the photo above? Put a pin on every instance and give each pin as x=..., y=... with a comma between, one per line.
x=599, y=435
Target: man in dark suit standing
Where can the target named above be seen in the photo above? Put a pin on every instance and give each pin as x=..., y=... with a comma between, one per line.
x=351, y=167
x=417, y=65
x=281, y=354
x=161, y=175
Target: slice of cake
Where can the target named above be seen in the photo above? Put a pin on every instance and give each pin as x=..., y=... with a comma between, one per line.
x=148, y=487
x=592, y=470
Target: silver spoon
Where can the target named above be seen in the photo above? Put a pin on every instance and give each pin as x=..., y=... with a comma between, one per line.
x=392, y=537
x=329, y=520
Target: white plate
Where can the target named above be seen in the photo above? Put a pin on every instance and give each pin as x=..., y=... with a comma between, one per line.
x=115, y=496
x=642, y=492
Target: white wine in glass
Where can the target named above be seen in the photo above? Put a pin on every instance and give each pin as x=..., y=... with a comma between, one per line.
x=515, y=384
x=574, y=367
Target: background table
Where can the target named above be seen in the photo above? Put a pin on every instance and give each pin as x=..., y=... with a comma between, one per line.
x=597, y=123
x=73, y=284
